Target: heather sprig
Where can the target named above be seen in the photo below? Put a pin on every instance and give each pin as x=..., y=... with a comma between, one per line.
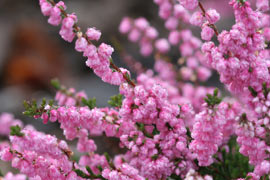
x=169, y=125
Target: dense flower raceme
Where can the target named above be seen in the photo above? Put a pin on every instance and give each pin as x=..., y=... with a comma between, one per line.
x=6, y=121
x=166, y=76
x=162, y=120
x=99, y=58
x=134, y=124
x=238, y=57
x=212, y=127
x=33, y=152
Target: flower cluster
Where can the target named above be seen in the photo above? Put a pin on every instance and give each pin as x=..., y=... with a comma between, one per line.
x=99, y=58
x=170, y=125
x=38, y=155
x=211, y=128
x=140, y=30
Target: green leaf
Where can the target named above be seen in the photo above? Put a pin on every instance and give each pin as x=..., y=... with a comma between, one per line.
x=81, y=173
x=43, y=103
x=241, y=1
x=100, y=168
x=216, y=92
x=89, y=170
x=174, y=177
x=56, y=84
x=155, y=131
x=51, y=102
x=265, y=90
x=155, y=157
x=140, y=126
x=16, y=131
x=116, y=101
x=25, y=104
x=107, y=157
x=1, y=174
x=91, y=103
x=213, y=100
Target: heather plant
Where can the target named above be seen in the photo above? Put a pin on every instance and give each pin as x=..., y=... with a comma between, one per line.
x=171, y=126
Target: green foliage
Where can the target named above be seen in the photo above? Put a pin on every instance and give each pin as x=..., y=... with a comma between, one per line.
x=265, y=177
x=16, y=131
x=213, y=100
x=174, y=177
x=241, y=1
x=107, y=156
x=252, y=91
x=1, y=174
x=233, y=164
x=86, y=176
x=116, y=101
x=141, y=127
x=128, y=76
x=155, y=130
x=89, y=170
x=155, y=157
x=100, y=168
x=91, y=103
x=243, y=118
x=56, y=84
x=265, y=90
x=81, y=173
x=31, y=108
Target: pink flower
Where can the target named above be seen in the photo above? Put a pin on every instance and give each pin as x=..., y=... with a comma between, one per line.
x=81, y=44
x=197, y=18
x=165, y=10
x=212, y=16
x=162, y=45
x=55, y=14
x=93, y=34
x=151, y=33
x=189, y=4
x=174, y=37
x=266, y=33
x=141, y=23
x=10, y=176
x=171, y=23
x=66, y=31
x=207, y=33
x=5, y=154
x=125, y=25
x=134, y=35
x=262, y=5
x=45, y=8
x=105, y=51
x=186, y=73
x=203, y=73
x=146, y=49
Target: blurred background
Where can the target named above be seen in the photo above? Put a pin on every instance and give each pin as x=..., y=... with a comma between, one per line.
x=32, y=52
